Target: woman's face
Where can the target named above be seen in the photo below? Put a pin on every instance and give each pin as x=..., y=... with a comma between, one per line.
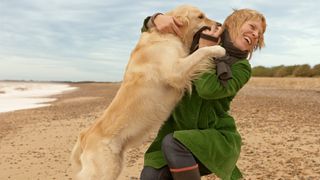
x=249, y=35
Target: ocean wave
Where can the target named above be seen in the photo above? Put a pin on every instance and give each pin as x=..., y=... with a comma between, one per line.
x=26, y=95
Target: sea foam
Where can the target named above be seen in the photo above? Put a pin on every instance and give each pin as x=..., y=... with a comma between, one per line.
x=27, y=95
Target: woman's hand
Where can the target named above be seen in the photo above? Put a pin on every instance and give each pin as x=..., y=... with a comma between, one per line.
x=215, y=31
x=167, y=24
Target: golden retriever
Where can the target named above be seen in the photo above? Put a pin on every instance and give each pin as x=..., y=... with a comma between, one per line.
x=159, y=72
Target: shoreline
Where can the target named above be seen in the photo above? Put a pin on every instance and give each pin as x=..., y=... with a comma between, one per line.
x=279, y=126
x=29, y=95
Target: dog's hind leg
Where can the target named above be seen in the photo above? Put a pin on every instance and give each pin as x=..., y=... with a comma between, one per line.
x=88, y=170
x=75, y=158
x=112, y=157
x=103, y=162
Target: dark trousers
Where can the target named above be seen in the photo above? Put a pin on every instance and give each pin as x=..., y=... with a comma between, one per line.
x=176, y=155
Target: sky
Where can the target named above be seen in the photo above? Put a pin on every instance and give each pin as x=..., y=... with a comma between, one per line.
x=82, y=40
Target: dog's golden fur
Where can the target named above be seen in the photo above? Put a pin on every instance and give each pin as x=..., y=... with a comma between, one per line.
x=157, y=75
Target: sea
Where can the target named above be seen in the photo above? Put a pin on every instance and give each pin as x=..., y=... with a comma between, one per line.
x=26, y=95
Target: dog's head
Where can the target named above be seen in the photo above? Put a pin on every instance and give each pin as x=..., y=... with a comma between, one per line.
x=192, y=19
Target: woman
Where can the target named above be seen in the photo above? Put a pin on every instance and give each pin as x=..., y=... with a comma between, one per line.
x=200, y=137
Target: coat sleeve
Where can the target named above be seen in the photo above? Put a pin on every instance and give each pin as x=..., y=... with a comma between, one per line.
x=209, y=87
x=144, y=27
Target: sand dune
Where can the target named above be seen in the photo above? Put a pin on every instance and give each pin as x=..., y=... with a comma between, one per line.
x=278, y=118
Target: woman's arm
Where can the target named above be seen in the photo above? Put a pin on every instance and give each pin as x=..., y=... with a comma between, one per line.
x=209, y=87
x=146, y=24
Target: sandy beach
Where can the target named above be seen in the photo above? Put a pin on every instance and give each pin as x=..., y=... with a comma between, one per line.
x=278, y=118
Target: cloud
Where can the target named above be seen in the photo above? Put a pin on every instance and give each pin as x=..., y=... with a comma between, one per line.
x=92, y=40
x=45, y=69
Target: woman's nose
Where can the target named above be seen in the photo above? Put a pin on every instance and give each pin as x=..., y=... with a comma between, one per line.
x=255, y=34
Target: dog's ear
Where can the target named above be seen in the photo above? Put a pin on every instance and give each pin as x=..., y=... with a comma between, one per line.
x=180, y=16
x=182, y=20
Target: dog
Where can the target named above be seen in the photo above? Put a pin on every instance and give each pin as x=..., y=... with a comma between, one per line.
x=159, y=72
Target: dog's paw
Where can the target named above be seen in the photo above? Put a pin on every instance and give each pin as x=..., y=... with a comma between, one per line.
x=217, y=51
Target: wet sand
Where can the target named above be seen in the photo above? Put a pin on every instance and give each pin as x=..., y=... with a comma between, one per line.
x=278, y=118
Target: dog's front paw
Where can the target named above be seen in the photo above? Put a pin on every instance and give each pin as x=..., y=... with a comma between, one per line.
x=217, y=51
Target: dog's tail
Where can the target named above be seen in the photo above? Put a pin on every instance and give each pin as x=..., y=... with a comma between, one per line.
x=75, y=160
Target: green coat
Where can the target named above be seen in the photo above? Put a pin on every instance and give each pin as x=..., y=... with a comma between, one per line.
x=202, y=123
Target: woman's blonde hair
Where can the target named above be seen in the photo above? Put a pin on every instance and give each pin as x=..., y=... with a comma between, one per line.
x=234, y=22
